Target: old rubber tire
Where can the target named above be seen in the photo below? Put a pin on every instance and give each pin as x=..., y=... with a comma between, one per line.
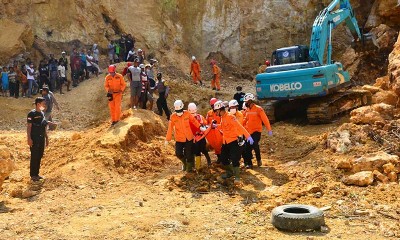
x=297, y=217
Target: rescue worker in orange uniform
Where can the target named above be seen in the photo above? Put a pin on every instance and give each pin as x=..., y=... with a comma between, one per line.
x=214, y=136
x=234, y=110
x=179, y=123
x=199, y=145
x=195, y=71
x=231, y=130
x=253, y=120
x=216, y=81
x=115, y=86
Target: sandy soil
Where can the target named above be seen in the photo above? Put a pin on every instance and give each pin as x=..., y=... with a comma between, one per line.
x=123, y=183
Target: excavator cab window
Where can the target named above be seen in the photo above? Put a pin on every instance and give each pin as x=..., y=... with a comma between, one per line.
x=295, y=54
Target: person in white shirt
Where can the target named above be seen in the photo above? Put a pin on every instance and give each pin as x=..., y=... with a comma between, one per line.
x=135, y=83
x=33, y=86
x=90, y=62
x=62, y=77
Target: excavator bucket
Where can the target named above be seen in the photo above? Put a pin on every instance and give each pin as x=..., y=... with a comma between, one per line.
x=367, y=43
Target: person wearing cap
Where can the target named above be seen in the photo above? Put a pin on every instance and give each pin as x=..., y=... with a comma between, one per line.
x=37, y=136
x=163, y=91
x=131, y=56
x=214, y=136
x=231, y=130
x=239, y=95
x=254, y=118
x=179, y=124
x=141, y=56
x=199, y=145
x=50, y=102
x=64, y=59
x=115, y=86
x=195, y=71
x=135, y=83
x=216, y=81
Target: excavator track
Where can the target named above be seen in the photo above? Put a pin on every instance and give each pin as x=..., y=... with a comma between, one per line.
x=327, y=108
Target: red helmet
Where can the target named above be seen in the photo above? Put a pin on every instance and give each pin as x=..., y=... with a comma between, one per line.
x=111, y=69
x=267, y=63
x=213, y=101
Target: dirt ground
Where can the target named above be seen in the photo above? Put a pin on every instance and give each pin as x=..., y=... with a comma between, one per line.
x=123, y=183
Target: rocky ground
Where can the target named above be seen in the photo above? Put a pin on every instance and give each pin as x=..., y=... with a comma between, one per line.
x=122, y=183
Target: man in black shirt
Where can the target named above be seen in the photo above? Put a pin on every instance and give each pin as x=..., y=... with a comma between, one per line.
x=239, y=95
x=37, y=136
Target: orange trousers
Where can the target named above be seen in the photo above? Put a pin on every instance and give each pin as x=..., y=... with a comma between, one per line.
x=196, y=77
x=214, y=138
x=115, y=107
x=216, y=83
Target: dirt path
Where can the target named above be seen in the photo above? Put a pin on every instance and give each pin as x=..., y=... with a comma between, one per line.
x=133, y=188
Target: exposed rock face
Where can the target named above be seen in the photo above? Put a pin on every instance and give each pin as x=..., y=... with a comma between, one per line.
x=384, y=11
x=6, y=164
x=394, y=68
x=14, y=38
x=361, y=179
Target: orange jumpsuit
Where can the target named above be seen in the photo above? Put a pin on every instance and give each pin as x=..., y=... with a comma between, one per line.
x=115, y=85
x=231, y=128
x=215, y=82
x=181, y=127
x=195, y=71
x=239, y=116
x=254, y=118
x=214, y=136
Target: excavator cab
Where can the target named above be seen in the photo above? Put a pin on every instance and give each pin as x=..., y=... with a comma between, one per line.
x=288, y=55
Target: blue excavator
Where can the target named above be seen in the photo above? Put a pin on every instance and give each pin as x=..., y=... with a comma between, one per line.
x=306, y=78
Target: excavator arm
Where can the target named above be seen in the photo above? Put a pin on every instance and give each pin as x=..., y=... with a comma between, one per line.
x=327, y=20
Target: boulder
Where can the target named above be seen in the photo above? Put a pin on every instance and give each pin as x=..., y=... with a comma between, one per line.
x=374, y=161
x=384, y=36
x=380, y=177
x=387, y=97
x=361, y=179
x=389, y=167
x=392, y=177
x=344, y=164
x=339, y=141
x=372, y=89
x=381, y=83
x=14, y=39
x=380, y=112
x=384, y=11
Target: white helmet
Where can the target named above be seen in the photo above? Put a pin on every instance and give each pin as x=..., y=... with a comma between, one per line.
x=244, y=106
x=192, y=108
x=233, y=103
x=141, y=65
x=193, y=58
x=249, y=96
x=219, y=105
x=225, y=103
x=178, y=105
x=140, y=50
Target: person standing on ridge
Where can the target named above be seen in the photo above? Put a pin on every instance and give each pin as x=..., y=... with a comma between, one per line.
x=163, y=91
x=216, y=80
x=195, y=71
x=115, y=86
x=239, y=95
x=253, y=120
